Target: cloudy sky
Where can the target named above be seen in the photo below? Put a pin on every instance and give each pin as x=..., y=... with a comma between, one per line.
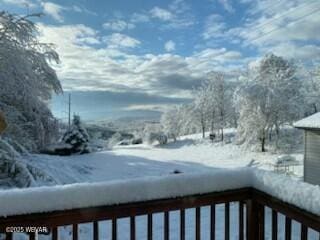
x=136, y=57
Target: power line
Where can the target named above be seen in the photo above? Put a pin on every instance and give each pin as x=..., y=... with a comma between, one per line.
x=295, y=21
x=283, y=15
x=69, y=112
x=276, y=29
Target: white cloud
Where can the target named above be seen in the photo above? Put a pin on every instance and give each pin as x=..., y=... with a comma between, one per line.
x=227, y=5
x=116, y=40
x=81, y=9
x=214, y=27
x=177, y=15
x=88, y=67
x=294, y=51
x=288, y=28
x=161, y=14
x=179, y=7
x=89, y=40
x=289, y=21
x=118, y=25
x=85, y=65
x=170, y=46
x=20, y=3
x=139, y=18
x=53, y=10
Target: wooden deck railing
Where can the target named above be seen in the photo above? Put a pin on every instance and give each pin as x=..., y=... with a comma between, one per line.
x=251, y=220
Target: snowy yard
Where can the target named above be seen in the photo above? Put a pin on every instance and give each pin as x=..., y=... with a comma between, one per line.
x=189, y=154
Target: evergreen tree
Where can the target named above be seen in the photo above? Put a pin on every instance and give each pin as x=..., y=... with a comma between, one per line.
x=77, y=137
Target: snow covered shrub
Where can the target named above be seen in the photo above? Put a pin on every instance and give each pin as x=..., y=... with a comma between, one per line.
x=159, y=138
x=171, y=122
x=162, y=139
x=77, y=137
x=15, y=170
x=153, y=134
x=150, y=137
x=114, y=140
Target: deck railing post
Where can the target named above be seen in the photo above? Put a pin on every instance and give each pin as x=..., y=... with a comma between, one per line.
x=255, y=220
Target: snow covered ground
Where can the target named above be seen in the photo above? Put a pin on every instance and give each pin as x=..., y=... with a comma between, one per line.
x=189, y=154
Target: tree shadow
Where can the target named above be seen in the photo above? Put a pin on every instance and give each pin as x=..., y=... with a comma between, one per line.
x=107, y=166
x=178, y=144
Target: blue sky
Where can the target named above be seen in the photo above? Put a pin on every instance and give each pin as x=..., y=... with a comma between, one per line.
x=161, y=49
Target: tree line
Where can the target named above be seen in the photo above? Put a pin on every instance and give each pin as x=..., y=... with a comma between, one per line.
x=268, y=95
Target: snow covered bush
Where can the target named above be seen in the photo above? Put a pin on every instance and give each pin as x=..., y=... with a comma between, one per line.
x=77, y=137
x=15, y=170
x=172, y=121
x=115, y=139
x=162, y=138
x=153, y=133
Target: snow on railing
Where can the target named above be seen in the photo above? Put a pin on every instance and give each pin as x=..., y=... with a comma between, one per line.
x=82, y=195
x=300, y=194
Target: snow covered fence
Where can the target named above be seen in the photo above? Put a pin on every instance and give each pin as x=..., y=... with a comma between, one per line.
x=300, y=194
x=73, y=196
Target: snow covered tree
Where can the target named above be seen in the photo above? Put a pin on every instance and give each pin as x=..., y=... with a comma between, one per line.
x=202, y=107
x=27, y=82
x=253, y=124
x=270, y=97
x=180, y=120
x=311, y=90
x=189, y=122
x=212, y=103
x=216, y=90
x=152, y=133
x=77, y=137
x=171, y=121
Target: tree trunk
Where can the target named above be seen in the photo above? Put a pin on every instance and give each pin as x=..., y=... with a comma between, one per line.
x=222, y=135
x=263, y=141
x=315, y=109
x=212, y=122
x=212, y=126
x=278, y=135
x=203, y=132
x=235, y=122
x=278, y=131
x=270, y=135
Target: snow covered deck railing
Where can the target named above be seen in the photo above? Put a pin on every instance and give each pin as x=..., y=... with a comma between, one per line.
x=246, y=194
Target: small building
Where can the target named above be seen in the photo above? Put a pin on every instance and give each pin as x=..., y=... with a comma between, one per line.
x=311, y=127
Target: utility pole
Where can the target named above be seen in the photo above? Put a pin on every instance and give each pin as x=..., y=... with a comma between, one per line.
x=69, y=112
